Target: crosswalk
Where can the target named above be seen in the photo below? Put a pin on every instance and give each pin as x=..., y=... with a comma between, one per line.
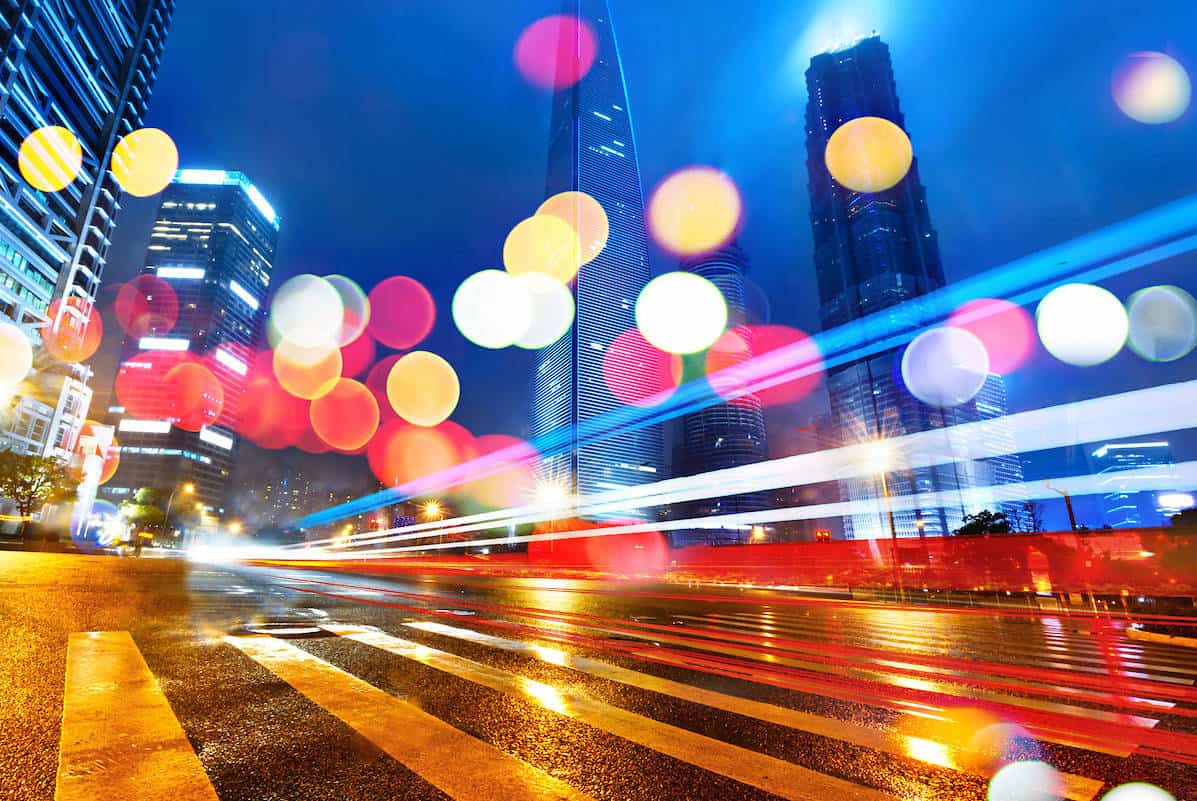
x=112, y=698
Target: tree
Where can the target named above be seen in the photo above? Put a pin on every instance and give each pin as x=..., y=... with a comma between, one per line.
x=1032, y=516
x=985, y=522
x=30, y=482
x=143, y=509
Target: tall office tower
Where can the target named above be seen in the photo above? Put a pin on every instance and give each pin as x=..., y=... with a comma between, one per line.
x=1130, y=501
x=725, y=434
x=213, y=242
x=592, y=149
x=87, y=66
x=876, y=252
x=999, y=478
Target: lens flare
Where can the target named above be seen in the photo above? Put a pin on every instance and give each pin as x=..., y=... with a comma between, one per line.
x=73, y=337
x=639, y=374
x=694, y=210
x=269, y=415
x=402, y=312
x=492, y=309
x=1152, y=88
x=552, y=310
x=1004, y=328
x=1082, y=324
x=585, y=215
x=306, y=372
x=112, y=462
x=139, y=382
x=16, y=355
x=401, y=452
x=555, y=52
x=681, y=312
x=376, y=382
x=50, y=158
x=144, y=161
x=356, y=308
x=513, y=485
x=1163, y=323
x=196, y=396
x=111, y=455
x=543, y=244
x=146, y=305
x=945, y=366
x=868, y=154
x=423, y=388
x=1138, y=791
x=798, y=375
x=346, y=416
x=306, y=311
x=1026, y=781
x=358, y=356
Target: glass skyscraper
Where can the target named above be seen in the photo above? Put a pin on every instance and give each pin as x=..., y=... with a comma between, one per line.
x=724, y=434
x=878, y=253
x=213, y=241
x=592, y=149
x=88, y=66
x=1131, y=501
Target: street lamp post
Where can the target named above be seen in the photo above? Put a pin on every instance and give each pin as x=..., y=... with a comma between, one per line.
x=1067, y=502
x=880, y=458
x=188, y=489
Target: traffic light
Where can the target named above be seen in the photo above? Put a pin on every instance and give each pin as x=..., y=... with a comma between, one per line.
x=822, y=534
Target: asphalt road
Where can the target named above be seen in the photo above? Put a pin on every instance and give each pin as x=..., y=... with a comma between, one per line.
x=259, y=683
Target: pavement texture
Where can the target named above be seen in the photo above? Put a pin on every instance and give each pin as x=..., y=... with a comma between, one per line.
x=301, y=685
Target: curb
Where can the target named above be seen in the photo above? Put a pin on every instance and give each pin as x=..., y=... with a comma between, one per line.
x=1151, y=636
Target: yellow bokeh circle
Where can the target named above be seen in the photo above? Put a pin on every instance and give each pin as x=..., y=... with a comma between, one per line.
x=423, y=388
x=306, y=372
x=545, y=244
x=585, y=215
x=694, y=210
x=144, y=162
x=868, y=154
x=50, y=158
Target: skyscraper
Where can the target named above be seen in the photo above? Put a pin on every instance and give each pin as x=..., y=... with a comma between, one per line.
x=213, y=242
x=725, y=434
x=592, y=149
x=876, y=252
x=1130, y=501
x=87, y=66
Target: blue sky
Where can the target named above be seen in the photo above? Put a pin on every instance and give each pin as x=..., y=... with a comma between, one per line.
x=398, y=138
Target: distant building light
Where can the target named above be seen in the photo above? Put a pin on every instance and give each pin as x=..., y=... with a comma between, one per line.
x=208, y=177
x=163, y=343
x=229, y=178
x=232, y=362
x=116, y=409
x=262, y=204
x=187, y=273
x=244, y=294
x=144, y=426
x=600, y=114
x=216, y=437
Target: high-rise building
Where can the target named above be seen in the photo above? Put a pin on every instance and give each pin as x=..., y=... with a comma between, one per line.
x=213, y=241
x=592, y=149
x=1134, y=500
x=89, y=67
x=877, y=253
x=727, y=434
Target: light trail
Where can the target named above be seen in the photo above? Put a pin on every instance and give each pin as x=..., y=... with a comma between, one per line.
x=1120, y=416
x=1161, y=233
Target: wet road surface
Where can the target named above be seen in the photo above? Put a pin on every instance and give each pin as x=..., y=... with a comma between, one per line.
x=216, y=681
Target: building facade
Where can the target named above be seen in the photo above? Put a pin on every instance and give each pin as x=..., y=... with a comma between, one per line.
x=729, y=434
x=89, y=67
x=592, y=149
x=877, y=254
x=213, y=242
x=1132, y=501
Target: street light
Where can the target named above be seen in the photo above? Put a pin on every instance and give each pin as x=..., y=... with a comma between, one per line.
x=433, y=510
x=188, y=489
x=235, y=527
x=878, y=457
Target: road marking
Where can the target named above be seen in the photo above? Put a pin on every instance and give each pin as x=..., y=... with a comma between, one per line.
x=767, y=773
x=461, y=766
x=1078, y=788
x=120, y=738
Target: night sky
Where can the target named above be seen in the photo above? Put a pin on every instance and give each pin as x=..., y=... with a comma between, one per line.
x=398, y=138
